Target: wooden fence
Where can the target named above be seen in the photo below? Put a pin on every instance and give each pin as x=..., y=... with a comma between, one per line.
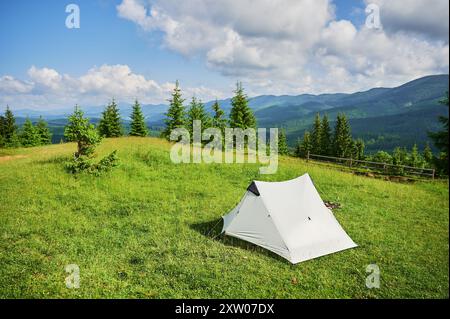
x=383, y=168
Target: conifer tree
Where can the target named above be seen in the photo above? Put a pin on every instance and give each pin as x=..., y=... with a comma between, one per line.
x=82, y=132
x=2, y=131
x=45, y=136
x=110, y=124
x=342, y=139
x=428, y=155
x=10, y=129
x=175, y=116
x=282, y=143
x=441, y=140
x=197, y=112
x=241, y=116
x=29, y=136
x=138, y=127
x=218, y=119
x=316, y=136
x=306, y=145
x=415, y=160
x=359, y=149
x=326, y=141
x=298, y=148
x=399, y=156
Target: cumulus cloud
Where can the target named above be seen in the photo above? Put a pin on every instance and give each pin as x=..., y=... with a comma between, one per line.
x=47, y=88
x=296, y=46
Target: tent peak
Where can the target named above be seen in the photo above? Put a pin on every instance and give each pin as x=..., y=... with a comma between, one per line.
x=253, y=188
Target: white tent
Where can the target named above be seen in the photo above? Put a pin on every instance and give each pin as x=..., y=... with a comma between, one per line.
x=288, y=218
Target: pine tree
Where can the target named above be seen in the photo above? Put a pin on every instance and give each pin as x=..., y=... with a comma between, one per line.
x=110, y=123
x=2, y=131
x=282, y=143
x=326, y=141
x=306, y=145
x=175, y=116
x=359, y=149
x=241, y=116
x=197, y=113
x=79, y=130
x=415, y=160
x=342, y=138
x=428, y=155
x=400, y=156
x=316, y=136
x=297, y=149
x=10, y=129
x=29, y=136
x=440, y=140
x=218, y=119
x=45, y=137
x=138, y=127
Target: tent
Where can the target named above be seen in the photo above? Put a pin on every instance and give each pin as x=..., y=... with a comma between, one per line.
x=288, y=218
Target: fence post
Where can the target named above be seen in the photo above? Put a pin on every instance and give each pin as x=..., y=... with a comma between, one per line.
x=351, y=161
x=434, y=172
x=307, y=157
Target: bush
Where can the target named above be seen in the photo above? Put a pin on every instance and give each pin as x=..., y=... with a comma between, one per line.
x=84, y=164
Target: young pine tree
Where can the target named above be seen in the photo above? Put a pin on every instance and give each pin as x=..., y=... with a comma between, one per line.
x=316, y=136
x=415, y=159
x=359, y=146
x=29, y=136
x=175, y=116
x=110, y=124
x=428, y=155
x=10, y=129
x=138, y=127
x=241, y=116
x=2, y=131
x=342, y=139
x=218, y=120
x=306, y=145
x=282, y=143
x=79, y=130
x=45, y=136
x=197, y=112
x=326, y=140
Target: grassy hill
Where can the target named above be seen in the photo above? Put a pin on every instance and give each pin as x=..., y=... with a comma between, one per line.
x=143, y=230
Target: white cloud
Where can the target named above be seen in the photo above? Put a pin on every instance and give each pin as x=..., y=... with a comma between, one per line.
x=9, y=85
x=296, y=46
x=47, y=88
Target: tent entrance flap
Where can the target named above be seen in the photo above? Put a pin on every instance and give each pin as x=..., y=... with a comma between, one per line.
x=252, y=188
x=289, y=218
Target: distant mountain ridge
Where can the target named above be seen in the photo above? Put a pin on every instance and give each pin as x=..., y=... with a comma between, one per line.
x=417, y=102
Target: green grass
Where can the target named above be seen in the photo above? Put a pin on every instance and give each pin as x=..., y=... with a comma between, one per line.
x=142, y=231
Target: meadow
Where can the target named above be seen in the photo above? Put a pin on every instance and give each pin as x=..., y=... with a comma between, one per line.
x=148, y=229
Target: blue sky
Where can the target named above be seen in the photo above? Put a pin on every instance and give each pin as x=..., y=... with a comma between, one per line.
x=138, y=48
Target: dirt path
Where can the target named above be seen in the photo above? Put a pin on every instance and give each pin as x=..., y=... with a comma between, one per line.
x=10, y=157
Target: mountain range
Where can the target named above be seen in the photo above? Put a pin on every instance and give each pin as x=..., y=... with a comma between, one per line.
x=383, y=117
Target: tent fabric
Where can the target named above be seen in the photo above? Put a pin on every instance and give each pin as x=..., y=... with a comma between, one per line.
x=288, y=218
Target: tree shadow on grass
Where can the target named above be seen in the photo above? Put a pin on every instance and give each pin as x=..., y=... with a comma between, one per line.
x=212, y=230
